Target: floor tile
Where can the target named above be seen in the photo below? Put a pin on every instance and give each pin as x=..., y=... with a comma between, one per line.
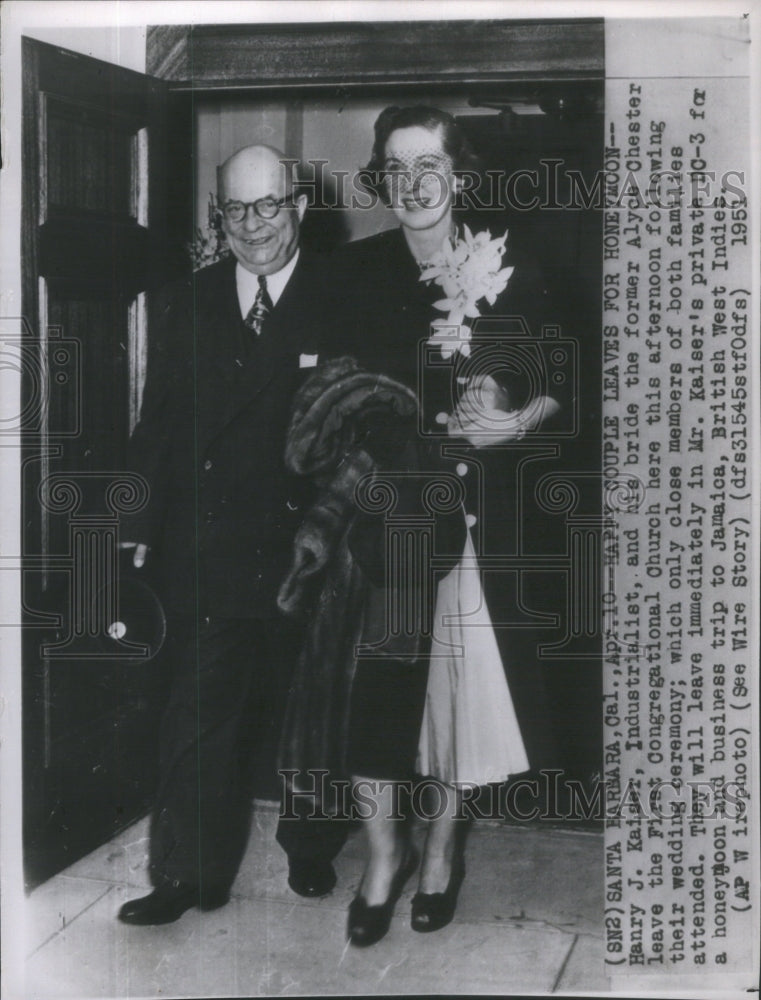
x=53, y=906
x=305, y=952
x=270, y=947
x=531, y=877
x=122, y=861
x=529, y=917
x=584, y=971
x=97, y=956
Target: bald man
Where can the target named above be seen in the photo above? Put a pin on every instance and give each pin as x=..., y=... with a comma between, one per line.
x=229, y=349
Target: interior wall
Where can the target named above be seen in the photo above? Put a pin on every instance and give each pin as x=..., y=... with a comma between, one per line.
x=342, y=134
x=223, y=127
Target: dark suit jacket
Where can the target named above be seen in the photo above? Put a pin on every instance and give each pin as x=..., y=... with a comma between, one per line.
x=210, y=441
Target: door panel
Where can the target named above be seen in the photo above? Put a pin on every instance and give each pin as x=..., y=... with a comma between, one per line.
x=87, y=165
x=94, y=242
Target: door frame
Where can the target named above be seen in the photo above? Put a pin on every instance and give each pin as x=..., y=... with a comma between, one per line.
x=358, y=54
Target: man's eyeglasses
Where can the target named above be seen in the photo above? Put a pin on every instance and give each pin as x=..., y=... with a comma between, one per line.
x=265, y=208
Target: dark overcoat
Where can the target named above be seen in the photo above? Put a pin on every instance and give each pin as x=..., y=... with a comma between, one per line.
x=383, y=319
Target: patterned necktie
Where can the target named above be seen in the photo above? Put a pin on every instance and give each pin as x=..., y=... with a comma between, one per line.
x=261, y=307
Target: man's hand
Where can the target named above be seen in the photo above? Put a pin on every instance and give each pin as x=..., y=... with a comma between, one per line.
x=141, y=551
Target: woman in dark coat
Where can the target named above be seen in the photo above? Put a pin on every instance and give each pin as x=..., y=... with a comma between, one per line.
x=466, y=379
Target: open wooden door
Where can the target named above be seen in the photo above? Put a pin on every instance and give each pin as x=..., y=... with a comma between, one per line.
x=94, y=242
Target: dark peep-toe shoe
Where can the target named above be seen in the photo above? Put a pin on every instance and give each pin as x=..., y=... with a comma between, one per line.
x=368, y=924
x=433, y=910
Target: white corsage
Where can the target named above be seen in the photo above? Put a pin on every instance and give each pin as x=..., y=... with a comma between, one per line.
x=469, y=269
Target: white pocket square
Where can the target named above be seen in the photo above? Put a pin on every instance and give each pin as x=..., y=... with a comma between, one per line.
x=308, y=360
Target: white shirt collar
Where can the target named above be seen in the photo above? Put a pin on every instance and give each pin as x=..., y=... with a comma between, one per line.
x=247, y=284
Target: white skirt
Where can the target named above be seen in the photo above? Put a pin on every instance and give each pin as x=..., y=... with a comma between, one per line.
x=469, y=732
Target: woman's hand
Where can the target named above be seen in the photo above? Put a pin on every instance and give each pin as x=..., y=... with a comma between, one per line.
x=483, y=416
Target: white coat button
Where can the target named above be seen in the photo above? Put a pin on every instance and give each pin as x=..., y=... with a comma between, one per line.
x=207, y=464
x=461, y=469
x=441, y=418
x=470, y=520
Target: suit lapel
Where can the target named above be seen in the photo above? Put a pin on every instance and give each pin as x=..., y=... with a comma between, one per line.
x=239, y=376
x=278, y=345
